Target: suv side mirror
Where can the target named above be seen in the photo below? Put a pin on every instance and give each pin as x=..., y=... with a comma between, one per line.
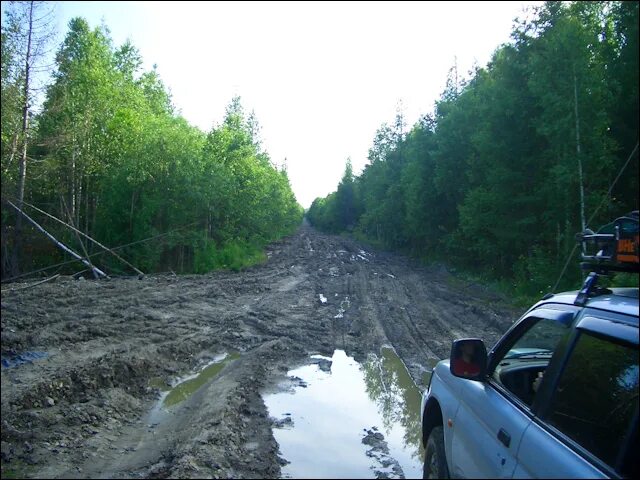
x=468, y=359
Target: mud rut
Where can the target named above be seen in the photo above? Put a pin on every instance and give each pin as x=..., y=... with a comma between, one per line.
x=83, y=411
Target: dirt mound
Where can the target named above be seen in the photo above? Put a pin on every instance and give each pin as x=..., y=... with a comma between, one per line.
x=81, y=410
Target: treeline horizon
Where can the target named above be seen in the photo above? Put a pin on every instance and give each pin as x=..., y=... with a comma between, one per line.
x=514, y=160
x=109, y=154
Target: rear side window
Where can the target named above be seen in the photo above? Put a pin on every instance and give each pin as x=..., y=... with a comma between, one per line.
x=596, y=399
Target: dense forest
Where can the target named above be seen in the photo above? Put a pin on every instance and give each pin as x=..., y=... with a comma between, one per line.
x=109, y=155
x=516, y=158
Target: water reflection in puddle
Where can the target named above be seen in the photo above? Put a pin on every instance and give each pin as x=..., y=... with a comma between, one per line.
x=331, y=412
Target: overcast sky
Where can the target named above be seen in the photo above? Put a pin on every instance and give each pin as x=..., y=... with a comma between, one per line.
x=320, y=76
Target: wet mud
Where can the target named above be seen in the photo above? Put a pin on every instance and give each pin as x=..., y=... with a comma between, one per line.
x=92, y=404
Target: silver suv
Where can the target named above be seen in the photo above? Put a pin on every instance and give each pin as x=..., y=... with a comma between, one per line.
x=557, y=396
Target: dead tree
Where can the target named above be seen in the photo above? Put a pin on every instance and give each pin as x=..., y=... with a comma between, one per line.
x=31, y=24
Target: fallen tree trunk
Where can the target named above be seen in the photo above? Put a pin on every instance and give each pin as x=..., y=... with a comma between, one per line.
x=86, y=236
x=60, y=244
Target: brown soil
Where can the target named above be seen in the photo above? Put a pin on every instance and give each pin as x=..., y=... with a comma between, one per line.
x=84, y=410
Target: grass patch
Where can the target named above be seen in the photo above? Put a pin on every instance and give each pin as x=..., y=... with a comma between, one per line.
x=189, y=387
x=234, y=255
x=514, y=294
x=18, y=470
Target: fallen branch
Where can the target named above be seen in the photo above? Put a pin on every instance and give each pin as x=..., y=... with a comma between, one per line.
x=34, y=284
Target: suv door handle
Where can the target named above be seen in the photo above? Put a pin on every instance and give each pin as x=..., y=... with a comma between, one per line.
x=504, y=437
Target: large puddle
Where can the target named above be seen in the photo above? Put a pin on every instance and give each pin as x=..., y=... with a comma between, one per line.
x=334, y=408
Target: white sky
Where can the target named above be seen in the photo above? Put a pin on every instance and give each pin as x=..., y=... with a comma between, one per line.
x=321, y=76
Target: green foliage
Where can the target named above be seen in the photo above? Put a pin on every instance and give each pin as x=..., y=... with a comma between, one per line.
x=490, y=182
x=232, y=256
x=622, y=279
x=12, y=99
x=535, y=274
x=339, y=211
x=113, y=152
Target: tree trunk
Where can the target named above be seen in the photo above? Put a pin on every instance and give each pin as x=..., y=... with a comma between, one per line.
x=14, y=149
x=72, y=178
x=82, y=245
x=94, y=206
x=558, y=240
x=575, y=102
x=78, y=201
x=133, y=200
x=96, y=270
x=86, y=210
x=22, y=175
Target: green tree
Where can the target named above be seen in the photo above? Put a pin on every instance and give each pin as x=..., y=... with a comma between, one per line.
x=129, y=168
x=500, y=178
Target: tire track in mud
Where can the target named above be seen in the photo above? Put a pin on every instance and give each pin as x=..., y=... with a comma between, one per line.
x=81, y=411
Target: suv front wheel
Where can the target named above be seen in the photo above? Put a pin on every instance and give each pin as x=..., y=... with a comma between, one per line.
x=435, y=461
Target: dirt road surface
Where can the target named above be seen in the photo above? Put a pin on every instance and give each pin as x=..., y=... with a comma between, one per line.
x=86, y=409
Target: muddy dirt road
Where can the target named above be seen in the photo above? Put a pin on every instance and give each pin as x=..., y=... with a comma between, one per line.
x=88, y=407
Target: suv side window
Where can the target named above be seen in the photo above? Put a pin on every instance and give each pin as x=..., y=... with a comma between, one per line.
x=596, y=398
x=529, y=357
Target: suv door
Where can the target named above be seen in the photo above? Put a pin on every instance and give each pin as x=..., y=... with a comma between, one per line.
x=494, y=415
x=588, y=412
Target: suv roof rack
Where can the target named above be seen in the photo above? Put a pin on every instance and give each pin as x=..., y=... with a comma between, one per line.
x=613, y=248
